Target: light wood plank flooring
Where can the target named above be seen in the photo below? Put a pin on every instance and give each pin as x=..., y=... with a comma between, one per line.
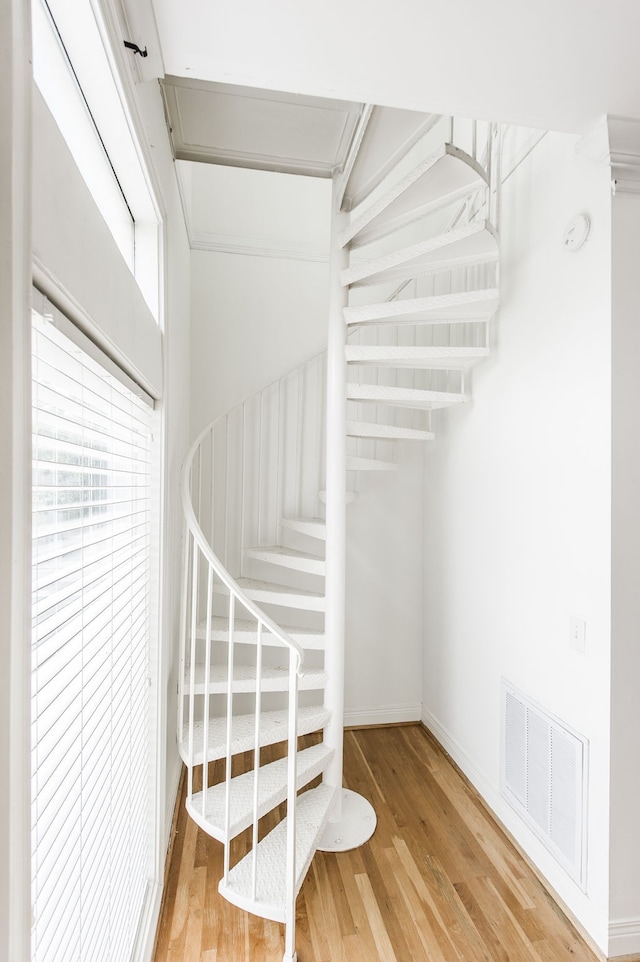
x=438, y=881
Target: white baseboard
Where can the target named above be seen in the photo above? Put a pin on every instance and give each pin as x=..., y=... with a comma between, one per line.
x=574, y=902
x=389, y=715
x=173, y=784
x=624, y=937
x=149, y=923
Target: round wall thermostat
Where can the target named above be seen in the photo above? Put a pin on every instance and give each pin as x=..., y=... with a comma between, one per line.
x=576, y=232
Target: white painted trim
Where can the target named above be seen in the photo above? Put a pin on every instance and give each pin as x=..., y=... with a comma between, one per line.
x=15, y=480
x=624, y=937
x=616, y=141
x=145, y=943
x=571, y=899
x=56, y=291
x=151, y=918
x=237, y=244
x=254, y=247
x=172, y=787
x=386, y=715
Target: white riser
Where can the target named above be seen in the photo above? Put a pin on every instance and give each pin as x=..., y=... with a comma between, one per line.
x=273, y=729
x=245, y=633
x=244, y=679
x=272, y=790
x=312, y=811
x=313, y=527
x=424, y=358
x=445, y=172
x=369, y=464
x=288, y=558
x=264, y=592
x=404, y=397
x=366, y=429
x=460, y=247
x=440, y=308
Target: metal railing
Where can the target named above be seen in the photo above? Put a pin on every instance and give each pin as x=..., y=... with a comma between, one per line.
x=233, y=494
x=201, y=569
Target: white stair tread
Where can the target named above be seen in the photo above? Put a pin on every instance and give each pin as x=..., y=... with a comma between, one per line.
x=461, y=246
x=273, y=594
x=439, y=308
x=314, y=527
x=369, y=464
x=448, y=170
x=415, y=357
x=289, y=558
x=366, y=429
x=273, y=729
x=272, y=790
x=245, y=633
x=244, y=679
x=404, y=396
x=312, y=811
x=389, y=135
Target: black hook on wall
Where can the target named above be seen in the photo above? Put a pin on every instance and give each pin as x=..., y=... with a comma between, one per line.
x=135, y=48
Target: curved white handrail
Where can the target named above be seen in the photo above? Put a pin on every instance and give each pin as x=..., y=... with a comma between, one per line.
x=198, y=535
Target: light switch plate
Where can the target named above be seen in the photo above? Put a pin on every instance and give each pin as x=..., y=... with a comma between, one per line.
x=577, y=633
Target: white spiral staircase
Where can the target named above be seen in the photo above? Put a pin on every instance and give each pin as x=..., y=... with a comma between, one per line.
x=414, y=285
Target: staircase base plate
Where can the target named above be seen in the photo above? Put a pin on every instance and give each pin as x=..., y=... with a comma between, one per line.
x=355, y=826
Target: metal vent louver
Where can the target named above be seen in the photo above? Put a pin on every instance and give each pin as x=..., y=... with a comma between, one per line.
x=543, y=777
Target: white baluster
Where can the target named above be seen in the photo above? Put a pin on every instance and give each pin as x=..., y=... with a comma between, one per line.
x=256, y=760
x=192, y=667
x=292, y=777
x=227, y=793
x=207, y=673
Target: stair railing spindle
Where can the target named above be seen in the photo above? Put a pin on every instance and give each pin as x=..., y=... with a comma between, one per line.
x=299, y=437
x=256, y=760
x=259, y=518
x=206, y=680
x=200, y=483
x=279, y=464
x=226, y=491
x=212, y=485
x=227, y=773
x=242, y=484
x=192, y=663
x=292, y=777
x=184, y=623
x=497, y=177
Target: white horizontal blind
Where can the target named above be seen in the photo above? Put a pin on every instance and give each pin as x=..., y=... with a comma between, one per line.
x=91, y=739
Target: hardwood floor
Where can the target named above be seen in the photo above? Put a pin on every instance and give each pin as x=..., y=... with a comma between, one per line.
x=438, y=881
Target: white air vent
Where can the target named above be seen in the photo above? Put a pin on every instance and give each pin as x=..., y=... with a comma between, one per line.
x=543, y=774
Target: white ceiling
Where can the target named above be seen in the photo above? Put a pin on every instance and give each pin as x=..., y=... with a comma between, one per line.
x=557, y=64
x=256, y=128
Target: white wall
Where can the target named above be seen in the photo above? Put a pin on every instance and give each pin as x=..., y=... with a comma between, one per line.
x=260, y=310
x=383, y=647
x=517, y=506
x=625, y=569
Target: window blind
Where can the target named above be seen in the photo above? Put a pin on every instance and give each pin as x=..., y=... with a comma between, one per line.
x=91, y=741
